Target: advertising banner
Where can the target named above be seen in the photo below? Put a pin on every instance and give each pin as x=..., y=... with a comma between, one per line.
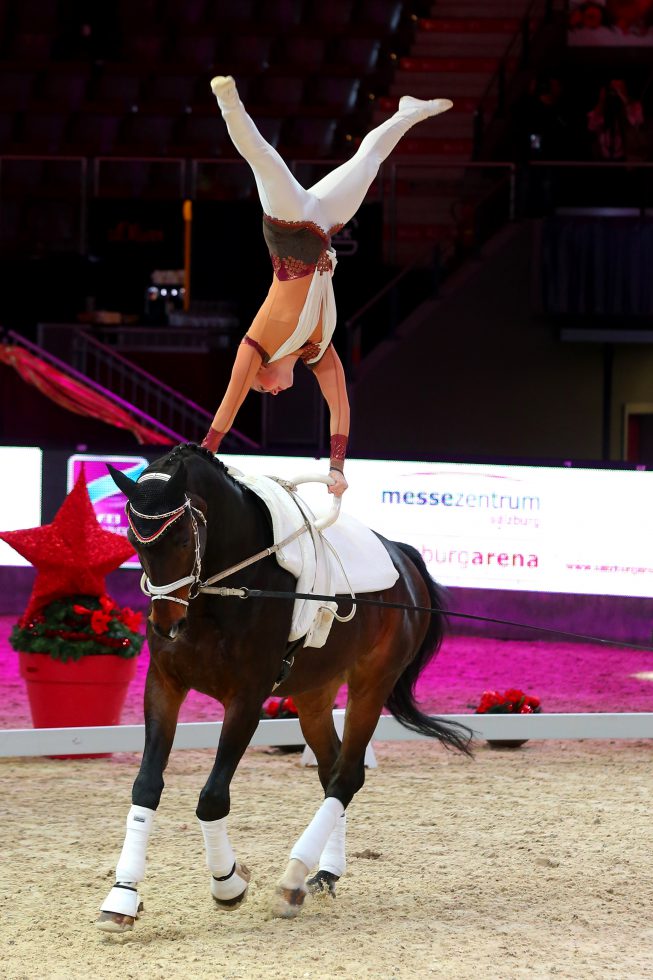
x=550, y=529
x=108, y=502
x=20, y=495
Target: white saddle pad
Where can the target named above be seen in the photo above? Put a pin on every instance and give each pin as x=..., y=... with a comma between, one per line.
x=366, y=563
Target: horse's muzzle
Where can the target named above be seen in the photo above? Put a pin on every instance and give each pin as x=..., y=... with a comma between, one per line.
x=171, y=632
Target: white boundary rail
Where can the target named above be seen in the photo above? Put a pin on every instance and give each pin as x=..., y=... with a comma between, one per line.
x=205, y=735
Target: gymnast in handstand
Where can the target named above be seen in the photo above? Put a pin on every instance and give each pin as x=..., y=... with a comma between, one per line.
x=298, y=316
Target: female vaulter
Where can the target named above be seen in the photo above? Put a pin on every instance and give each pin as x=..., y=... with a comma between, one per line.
x=298, y=316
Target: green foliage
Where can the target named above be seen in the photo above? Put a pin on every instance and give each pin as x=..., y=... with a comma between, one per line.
x=80, y=626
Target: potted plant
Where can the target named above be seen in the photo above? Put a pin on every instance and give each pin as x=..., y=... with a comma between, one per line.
x=88, y=646
x=77, y=647
x=512, y=702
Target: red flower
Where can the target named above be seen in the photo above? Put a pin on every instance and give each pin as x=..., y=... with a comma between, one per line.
x=272, y=707
x=532, y=702
x=489, y=699
x=81, y=611
x=100, y=622
x=131, y=619
x=107, y=604
x=287, y=704
x=525, y=710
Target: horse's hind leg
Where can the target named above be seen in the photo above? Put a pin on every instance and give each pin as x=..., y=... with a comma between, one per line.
x=316, y=713
x=162, y=703
x=346, y=778
x=316, y=717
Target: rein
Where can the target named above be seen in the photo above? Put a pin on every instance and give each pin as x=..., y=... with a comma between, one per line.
x=246, y=593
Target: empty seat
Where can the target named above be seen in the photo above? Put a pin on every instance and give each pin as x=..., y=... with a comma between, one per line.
x=310, y=137
x=6, y=130
x=16, y=88
x=382, y=14
x=142, y=48
x=359, y=53
x=223, y=18
x=282, y=14
x=305, y=53
x=21, y=178
x=28, y=47
x=196, y=50
x=201, y=135
x=119, y=88
x=284, y=91
x=145, y=133
x=41, y=132
x=246, y=52
x=175, y=91
x=190, y=13
x=338, y=94
x=62, y=89
x=35, y=16
x=93, y=133
x=333, y=16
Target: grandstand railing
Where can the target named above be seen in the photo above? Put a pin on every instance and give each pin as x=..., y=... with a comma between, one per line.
x=599, y=185
x=101, y=366
x=515, y=56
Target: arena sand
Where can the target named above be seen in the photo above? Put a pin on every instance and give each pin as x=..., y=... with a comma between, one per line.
x=527, y=863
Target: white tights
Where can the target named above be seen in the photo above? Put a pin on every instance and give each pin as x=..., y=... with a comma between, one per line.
x=333, y=200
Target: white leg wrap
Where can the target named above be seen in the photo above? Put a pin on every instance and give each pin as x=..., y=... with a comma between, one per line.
x=220, y=857
x=121, y=899
x=312, y=842
x=226, y=883
x=333, y=857
x=131, y=864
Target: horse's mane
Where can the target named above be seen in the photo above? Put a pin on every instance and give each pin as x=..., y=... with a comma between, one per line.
x=189, y=449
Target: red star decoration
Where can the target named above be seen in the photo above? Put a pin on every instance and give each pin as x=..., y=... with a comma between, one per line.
x=72, y=555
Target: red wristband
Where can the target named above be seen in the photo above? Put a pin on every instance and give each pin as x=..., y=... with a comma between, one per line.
x=338, y=451
x=212, y=440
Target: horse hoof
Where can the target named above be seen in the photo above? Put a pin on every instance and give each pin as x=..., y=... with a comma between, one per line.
x=323, y=883
x=232, y=904
x=114, y=922
x=288, y=902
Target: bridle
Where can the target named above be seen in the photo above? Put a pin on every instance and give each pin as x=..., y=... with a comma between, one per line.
x=193, y=580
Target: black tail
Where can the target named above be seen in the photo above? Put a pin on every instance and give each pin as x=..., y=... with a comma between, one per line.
x=401, y=701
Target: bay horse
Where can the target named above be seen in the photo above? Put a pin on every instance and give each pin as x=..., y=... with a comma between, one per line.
x=190, y=519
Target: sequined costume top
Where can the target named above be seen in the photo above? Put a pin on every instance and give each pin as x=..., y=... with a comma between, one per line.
x=297, y=248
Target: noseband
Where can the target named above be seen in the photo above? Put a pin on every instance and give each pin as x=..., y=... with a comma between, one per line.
x=193, y=580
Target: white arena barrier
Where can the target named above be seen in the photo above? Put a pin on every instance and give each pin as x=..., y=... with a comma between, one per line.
x=205, y=735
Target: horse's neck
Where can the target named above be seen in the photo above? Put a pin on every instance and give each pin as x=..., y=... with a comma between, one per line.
x=235, y=525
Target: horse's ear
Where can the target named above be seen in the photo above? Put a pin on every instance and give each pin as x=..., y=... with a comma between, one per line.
x=122, y=481
x=177, y=483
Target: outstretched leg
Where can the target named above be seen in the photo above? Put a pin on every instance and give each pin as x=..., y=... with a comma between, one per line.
x=341, y=192
x=282, y=196
x=162, y=703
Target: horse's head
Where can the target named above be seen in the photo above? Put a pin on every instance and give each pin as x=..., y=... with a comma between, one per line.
x=167, y=527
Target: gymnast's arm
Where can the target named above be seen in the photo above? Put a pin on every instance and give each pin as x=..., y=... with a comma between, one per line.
x=248, y=361
x=330, y=376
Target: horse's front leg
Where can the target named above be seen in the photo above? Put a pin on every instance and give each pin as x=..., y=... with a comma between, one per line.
x=162, y=703
x=229, y=878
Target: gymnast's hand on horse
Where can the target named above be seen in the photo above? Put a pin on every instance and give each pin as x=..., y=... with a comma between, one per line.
x=298, y=317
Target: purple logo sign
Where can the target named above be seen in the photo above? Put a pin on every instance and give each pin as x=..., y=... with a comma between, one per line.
x=108, y=501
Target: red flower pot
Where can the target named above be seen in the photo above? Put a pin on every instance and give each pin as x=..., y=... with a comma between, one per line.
x=76, y=694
